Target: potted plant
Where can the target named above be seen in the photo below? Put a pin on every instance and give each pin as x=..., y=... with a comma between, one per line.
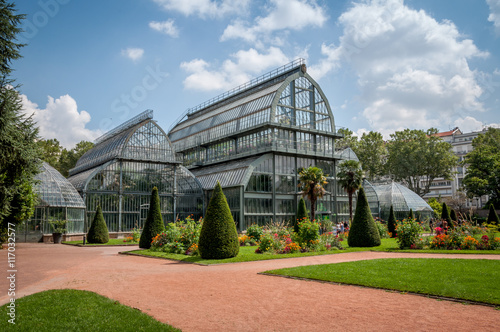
x=58, y=228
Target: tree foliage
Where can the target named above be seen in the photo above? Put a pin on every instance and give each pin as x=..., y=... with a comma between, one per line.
x=218, y=237
x=61, y=158
x=69, y=158
x=301, y=214
x=98, y=231
x=493, y=216
x=154, y=221
x=445, y=215
x=347, y=141
x=483, y=167
x=436, y=206
x=363, y=231
x=416, y=158
x=350, y=177
x=19, y=153
x=371, y=152
x=311, y=184
x=391, y=223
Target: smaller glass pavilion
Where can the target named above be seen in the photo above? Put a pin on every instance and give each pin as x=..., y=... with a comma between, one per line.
x=382, y=196
x=57, y=200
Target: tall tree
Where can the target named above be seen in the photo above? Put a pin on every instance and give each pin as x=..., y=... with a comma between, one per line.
x=51, y=151
x=350, y=177
x=483, y=167
x=348, y=141
x=69, y=158
x=371, y=152
x=416, y=158
x=19, y=153
x=311, y=183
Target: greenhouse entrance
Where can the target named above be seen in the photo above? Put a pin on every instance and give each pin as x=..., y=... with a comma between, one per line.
x=32, y=230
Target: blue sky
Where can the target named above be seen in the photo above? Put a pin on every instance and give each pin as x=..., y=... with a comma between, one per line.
x=384, y=65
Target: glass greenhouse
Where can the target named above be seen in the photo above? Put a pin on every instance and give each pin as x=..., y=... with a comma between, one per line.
x=57, y=200
x=121, y=170
x=382, y=196
x=254, y=139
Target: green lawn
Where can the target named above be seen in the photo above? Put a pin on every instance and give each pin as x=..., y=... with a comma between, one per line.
x=247, y=254
x=111, y=242
x=75, y=310
x=467, y=279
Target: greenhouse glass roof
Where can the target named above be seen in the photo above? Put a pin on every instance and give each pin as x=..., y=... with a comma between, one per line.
x=230, y=174
x=137, y=139
x=285, y=98
x=54, y=190
x=400, y=197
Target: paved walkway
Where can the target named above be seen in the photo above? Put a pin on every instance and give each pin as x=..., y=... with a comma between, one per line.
x=234, y=297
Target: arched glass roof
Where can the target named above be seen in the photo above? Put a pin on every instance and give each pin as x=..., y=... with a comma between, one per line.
x=54, y=190
x=289, y=98
x=142, y=140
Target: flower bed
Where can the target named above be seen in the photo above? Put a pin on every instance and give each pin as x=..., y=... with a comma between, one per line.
x=463, y=237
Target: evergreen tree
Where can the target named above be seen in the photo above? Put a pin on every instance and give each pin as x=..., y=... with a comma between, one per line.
x=98, y=231
x=493, y=216
x=218, y=237
x=453, y=215
x=391, y=223
x=154, y=221
x=19, y=154
x=445, y=215
x=410, y=215
x=363, y=232
x=301, y=214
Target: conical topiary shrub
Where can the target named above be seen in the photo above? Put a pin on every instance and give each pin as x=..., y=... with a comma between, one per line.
x=410, y=215
x=493, y=216
x=391, y=223
x=154, y=221
x=218, y=237
x=453, y=215
x=445, y=215
x=363, y=232
x=98, y=231
x=301, y=214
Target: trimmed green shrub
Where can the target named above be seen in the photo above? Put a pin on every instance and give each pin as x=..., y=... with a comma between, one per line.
x=98, y=232
x=445, y=215
x=218, y=237
x=363, y=232
x=391, y=223
x=453, y=215
x=154, y=221
x=493, y=216
x=410, y=215
x=301, y=214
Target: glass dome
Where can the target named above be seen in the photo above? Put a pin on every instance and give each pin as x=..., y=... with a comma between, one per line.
x=401, y=198
x=57, y=200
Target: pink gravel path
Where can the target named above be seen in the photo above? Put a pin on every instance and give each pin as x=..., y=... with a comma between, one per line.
x=234, y=297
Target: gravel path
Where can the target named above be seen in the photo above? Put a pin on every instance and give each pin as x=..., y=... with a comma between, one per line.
x=234, y=297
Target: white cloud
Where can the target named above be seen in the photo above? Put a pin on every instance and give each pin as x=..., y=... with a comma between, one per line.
x=283, y=15
x=167, y=27
x=412, y=71
x=246, y=64
x=205, y=8
x=135, y=54
x=494, y=14
x=469, y=124
x=61, y=119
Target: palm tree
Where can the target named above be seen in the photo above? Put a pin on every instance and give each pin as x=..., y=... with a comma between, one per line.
x=311, y=184
x=350, y=177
